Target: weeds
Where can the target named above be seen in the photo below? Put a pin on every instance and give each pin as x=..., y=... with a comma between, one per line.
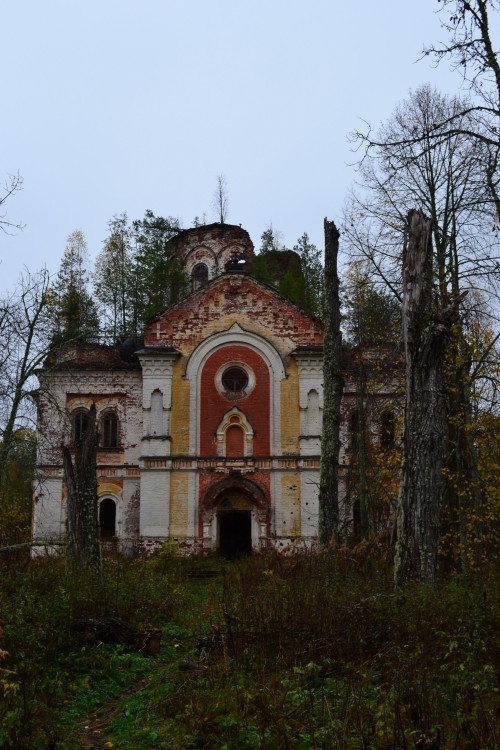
x=302, y=652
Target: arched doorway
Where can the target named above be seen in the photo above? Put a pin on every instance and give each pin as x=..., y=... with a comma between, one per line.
x=235, y=518
x=234, y=521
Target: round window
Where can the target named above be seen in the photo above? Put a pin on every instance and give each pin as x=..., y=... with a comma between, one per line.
x=234, y=381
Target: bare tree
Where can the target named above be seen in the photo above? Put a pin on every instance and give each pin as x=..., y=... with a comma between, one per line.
x=25, y=334
x=13, y=184
x=471, y=50
x=221, y=199
x=425, y=328
x=332, y=390
x=446, y=178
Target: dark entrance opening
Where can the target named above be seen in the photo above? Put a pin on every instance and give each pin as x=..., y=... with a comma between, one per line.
x=235, y=534
x=107, y=518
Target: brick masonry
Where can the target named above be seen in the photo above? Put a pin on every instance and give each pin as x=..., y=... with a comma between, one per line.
x=172, y=475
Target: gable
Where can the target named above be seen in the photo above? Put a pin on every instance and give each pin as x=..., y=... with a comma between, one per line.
x=229, y=299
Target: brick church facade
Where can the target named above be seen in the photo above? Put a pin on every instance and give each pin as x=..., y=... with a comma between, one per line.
x=209, y=428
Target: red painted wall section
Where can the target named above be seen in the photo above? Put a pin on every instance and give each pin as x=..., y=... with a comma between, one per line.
x=213, y=405
x=235, y=441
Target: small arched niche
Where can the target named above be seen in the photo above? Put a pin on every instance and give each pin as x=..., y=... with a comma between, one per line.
x=157, y=420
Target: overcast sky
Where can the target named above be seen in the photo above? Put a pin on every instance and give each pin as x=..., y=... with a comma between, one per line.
x=121, y=105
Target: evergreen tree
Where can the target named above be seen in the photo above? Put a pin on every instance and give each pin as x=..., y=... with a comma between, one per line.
x=312, y=273
x=76, y=312
x=296, y=274
x=279, y=267
x=159, y=278
x=371, y=314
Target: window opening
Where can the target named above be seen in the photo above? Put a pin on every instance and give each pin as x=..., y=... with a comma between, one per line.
x=234, y=380
x=107, y=518
x=199, y=276
x=110, y=430
x=80, y=426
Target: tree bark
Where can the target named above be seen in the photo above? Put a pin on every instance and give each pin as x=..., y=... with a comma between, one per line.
x=83, y=548
x=365, y=511
x=425, y=329
x=332, y=392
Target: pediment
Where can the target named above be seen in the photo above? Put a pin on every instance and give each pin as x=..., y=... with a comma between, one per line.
x=229, y=302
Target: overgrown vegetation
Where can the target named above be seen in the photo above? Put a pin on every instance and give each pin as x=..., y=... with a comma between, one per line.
x=313, y=651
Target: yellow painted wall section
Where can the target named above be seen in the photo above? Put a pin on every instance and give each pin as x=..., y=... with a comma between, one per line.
x=179, y=487
x=111, y=487
x=290, y=499
x=290, y=414
x=225, y=322
x=179, y=422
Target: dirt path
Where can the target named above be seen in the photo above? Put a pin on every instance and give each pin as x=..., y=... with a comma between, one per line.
x=93, y=734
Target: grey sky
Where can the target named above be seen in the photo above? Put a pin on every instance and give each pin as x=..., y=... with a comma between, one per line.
x=117, y=105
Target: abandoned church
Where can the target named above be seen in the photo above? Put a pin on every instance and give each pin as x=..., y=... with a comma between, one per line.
x=209, y=426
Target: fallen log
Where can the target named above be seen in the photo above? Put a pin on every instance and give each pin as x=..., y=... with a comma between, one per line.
x=114, y=630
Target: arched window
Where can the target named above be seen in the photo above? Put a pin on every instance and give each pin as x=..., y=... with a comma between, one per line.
x=109, y=431
x=387, y=429
x=199, y=276
x=79, y=426
x=107, y=518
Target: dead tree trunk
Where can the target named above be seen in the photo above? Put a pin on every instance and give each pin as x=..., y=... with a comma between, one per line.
x=425, y=330
x=332, y=393
x=83, y=548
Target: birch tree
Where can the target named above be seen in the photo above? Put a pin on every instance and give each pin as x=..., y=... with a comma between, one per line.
x=221, y=199
x=114, y=280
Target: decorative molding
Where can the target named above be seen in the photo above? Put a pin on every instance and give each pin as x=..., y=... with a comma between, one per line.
x=235, y=336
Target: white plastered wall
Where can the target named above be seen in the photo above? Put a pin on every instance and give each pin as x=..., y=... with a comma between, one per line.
x=310, y=367
x=157, y=370
x=49, y=509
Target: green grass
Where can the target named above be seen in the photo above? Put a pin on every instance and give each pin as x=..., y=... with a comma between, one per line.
x=302, y=652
